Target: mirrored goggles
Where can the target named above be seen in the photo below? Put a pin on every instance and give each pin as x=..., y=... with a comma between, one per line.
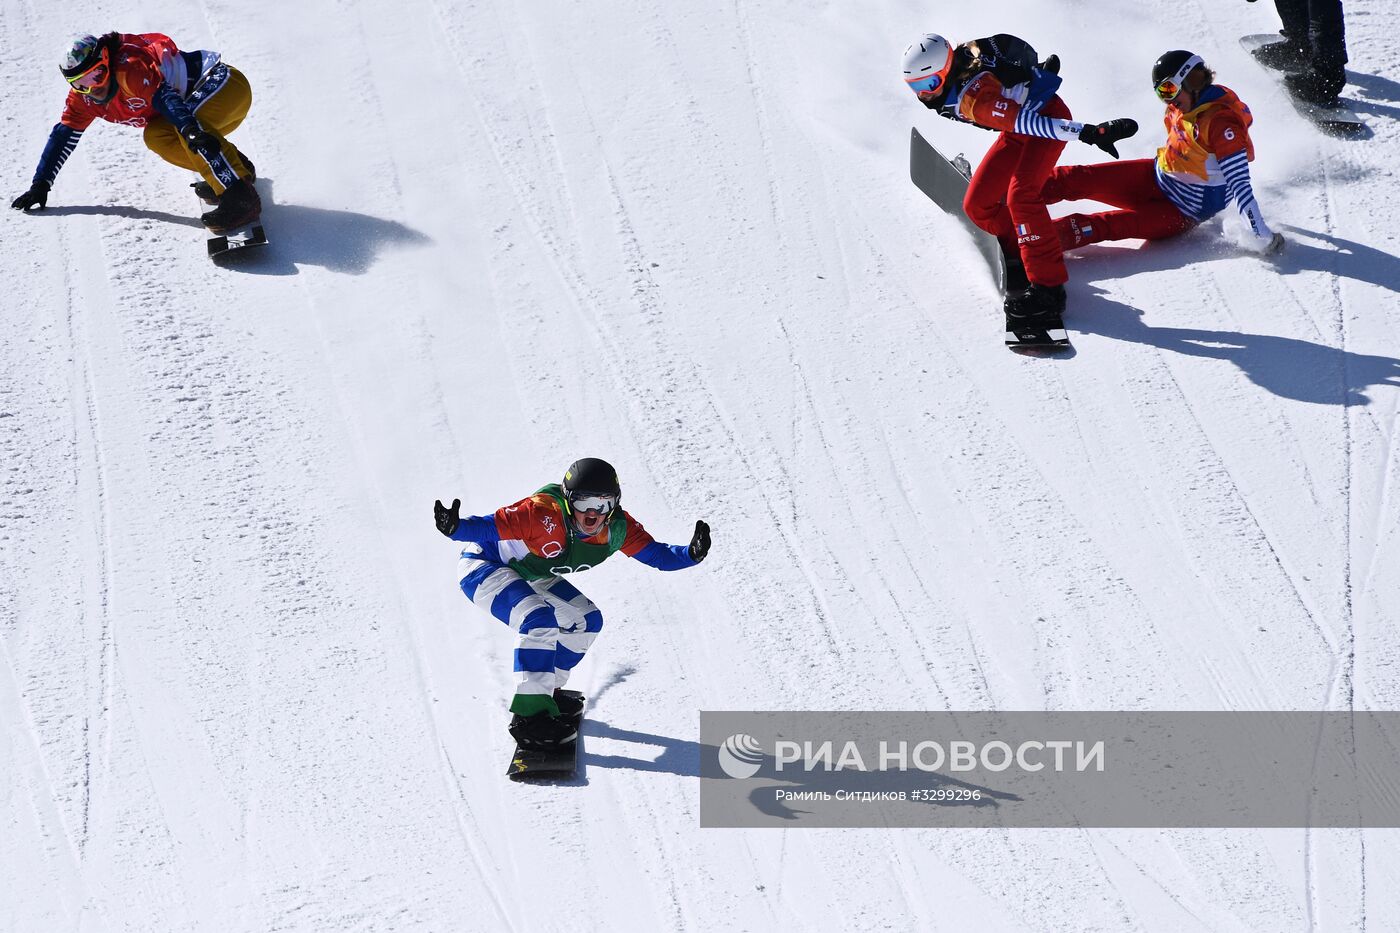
x=90, y=80
x=927, y=86
x=603, y=505
x=1169, y=88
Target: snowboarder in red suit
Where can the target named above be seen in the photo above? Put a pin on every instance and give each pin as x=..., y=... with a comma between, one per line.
x=997, y=83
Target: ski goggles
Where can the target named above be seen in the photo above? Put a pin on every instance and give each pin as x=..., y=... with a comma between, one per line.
x=1168, y=88
x=90, y=80
x=927, y=87
x=603, y=505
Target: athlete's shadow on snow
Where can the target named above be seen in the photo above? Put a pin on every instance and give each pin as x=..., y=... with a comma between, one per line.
x=340, y=241
x=678, y=756
x=683, y=757
x=921, y=790
x=1289, y=368
x=1376, y=88
x=1327, y=253
x=120, y=210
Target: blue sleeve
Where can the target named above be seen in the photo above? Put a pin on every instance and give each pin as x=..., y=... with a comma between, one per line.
x=63, y=140
x=479, y=529
x=665, y=556
x=172, y=106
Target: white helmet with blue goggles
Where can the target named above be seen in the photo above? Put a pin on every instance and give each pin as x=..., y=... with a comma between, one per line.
x=927, y=63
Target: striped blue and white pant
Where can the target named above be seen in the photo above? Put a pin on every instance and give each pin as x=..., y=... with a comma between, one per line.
x=556, y=623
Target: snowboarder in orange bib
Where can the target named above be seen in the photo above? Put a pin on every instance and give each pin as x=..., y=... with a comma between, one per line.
x=998, y=84
x=185, y=102
x=1203, y=166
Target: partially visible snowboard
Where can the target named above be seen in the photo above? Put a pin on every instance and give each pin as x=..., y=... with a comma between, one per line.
x=945, y=182
x=552, y=764
x=243, y=238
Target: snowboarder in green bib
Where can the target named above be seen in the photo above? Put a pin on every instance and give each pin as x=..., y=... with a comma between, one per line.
x=513, y=566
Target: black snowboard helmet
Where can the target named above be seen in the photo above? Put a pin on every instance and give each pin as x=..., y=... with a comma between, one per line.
x=591, y=478
x=1180, y=70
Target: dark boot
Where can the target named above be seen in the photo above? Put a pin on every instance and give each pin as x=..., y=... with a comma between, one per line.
x=1315, y=87
x=239, y=206
x=1284, y=55
x=542, y=730
x=248, y=164
x=570, y=704
x=1037, y=303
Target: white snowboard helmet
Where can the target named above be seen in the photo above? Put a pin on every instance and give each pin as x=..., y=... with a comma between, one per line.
x=926, y=65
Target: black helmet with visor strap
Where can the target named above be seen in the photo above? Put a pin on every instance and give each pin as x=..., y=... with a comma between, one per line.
x=591, y=485
x=1170, y=72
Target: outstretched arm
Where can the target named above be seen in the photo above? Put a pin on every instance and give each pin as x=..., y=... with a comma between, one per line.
x=480, y=529
x=1229, y=143
x=641, y=546
x=984, y=103
x=63, y=139
x=1236, y=169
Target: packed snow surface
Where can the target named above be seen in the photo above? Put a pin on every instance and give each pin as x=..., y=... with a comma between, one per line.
x=239, y=687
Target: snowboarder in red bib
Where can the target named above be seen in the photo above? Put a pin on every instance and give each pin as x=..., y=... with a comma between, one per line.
x=186, y=103
x=998, y=84
x=513, y=567
x=1203, y=166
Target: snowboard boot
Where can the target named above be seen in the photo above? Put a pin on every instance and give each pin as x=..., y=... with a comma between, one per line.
x=1038, y=305
x=1284, y=55
x=205, y=191
x=1316, y=87
x=542, y=730
x=239, y=206
x=569, y=704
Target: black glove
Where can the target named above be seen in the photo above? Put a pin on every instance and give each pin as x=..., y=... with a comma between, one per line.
x=447, y=519
x=1104, y=135
x=1051, y=64
x=700, y=543
x=36, y=197
x=199, y=139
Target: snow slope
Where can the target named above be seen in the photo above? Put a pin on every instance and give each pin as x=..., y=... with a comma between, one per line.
x=239, y=688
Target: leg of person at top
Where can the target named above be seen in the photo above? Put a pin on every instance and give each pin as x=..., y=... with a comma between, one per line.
x=1325, y=36
x=1146, y=213
x=1290, y=53
x=1294, y=16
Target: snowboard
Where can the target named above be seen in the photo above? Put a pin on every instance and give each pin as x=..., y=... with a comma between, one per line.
x=552, y=764
x=1341, y=121
x=945, y=183
x=242, y=238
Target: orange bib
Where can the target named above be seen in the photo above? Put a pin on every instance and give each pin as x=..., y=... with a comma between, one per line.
x=1185, y=151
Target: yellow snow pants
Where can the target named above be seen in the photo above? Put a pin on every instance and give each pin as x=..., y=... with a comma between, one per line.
x=220, y=112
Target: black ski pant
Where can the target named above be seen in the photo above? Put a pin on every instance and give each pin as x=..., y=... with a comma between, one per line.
x=1317, y=26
